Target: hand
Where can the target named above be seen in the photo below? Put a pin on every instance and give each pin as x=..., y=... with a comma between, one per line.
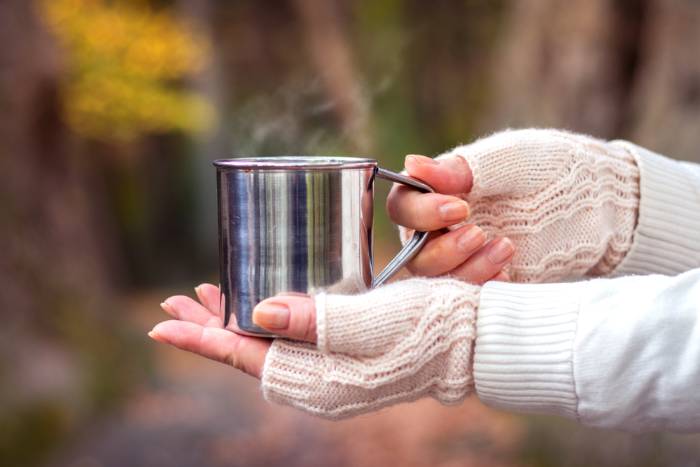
x=397, y=343
x=568, y=202
x=463, y=252
x=198, y=328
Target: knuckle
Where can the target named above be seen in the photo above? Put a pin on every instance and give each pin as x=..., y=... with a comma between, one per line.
x=213, y=321
x=444, y=247
x=458, y=163
x=417, y=265
x=232, y=356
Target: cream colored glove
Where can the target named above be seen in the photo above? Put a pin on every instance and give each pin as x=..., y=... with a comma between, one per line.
x=569, y=202
x=397, y=343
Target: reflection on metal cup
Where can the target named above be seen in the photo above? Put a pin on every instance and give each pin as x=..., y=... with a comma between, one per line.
x=298, y=224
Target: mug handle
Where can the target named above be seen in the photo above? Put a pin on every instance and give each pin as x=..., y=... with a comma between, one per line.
x=413, y=246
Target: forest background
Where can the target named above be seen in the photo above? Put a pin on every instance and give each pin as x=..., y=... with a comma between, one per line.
x=112, y=112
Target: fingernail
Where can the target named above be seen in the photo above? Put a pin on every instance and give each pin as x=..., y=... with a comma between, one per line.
x=421, y=160
x=454, y=211
x=153, y=335
x=271, y=315
x=196, y=290
x=471, y=240
x=167, y=308
x=500, y=251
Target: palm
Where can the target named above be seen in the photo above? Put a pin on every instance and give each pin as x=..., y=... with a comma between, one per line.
x=198, y=328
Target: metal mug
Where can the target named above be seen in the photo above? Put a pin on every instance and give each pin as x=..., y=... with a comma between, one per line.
x=298, y=224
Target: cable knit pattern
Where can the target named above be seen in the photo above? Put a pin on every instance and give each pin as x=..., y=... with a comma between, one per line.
x=396, y=343
x=569, y=202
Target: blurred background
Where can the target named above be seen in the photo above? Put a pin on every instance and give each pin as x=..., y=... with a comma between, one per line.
x=112, y=111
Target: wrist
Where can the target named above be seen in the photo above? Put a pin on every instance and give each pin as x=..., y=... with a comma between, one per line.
x=523, y=357
x=666, y=239
x=397, y=343
x=621, y=201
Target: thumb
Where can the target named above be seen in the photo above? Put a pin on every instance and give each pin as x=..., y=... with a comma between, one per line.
x=450, y=175
x=291, y=315
x=367, y=324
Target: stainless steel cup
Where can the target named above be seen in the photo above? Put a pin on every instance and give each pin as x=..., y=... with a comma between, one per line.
x=298, y=224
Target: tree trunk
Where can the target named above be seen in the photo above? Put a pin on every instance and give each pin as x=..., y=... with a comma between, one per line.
x=47, y=225
x=665, y=111
x=565, y=64
x=331, y=56
x=614, y=69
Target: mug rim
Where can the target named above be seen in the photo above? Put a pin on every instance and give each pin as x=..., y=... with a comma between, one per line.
x=296, y=162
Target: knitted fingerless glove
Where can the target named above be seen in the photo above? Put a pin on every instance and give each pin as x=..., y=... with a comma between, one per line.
x=569, y=202
x=397, y=343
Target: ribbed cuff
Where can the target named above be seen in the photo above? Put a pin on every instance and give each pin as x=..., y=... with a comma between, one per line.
x=292, y=373
x=667, y=237
x=523, y=359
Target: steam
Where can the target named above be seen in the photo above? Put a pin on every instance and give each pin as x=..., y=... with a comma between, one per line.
x=300, y=118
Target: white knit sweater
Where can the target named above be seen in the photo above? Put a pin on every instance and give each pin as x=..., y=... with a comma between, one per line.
x=622, y=352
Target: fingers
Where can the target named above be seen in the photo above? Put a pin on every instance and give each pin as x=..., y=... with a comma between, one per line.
x=487, y=263
x=186, y=309
x=209, y=296
x=431, y=211
x=424, y=211
x=446, y=252
x=288, y=315
x=451, y=175
x=242, y=352
x=463, y=253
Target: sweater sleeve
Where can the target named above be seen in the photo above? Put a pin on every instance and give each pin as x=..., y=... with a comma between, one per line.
x=618, y=353
x=667, y=237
